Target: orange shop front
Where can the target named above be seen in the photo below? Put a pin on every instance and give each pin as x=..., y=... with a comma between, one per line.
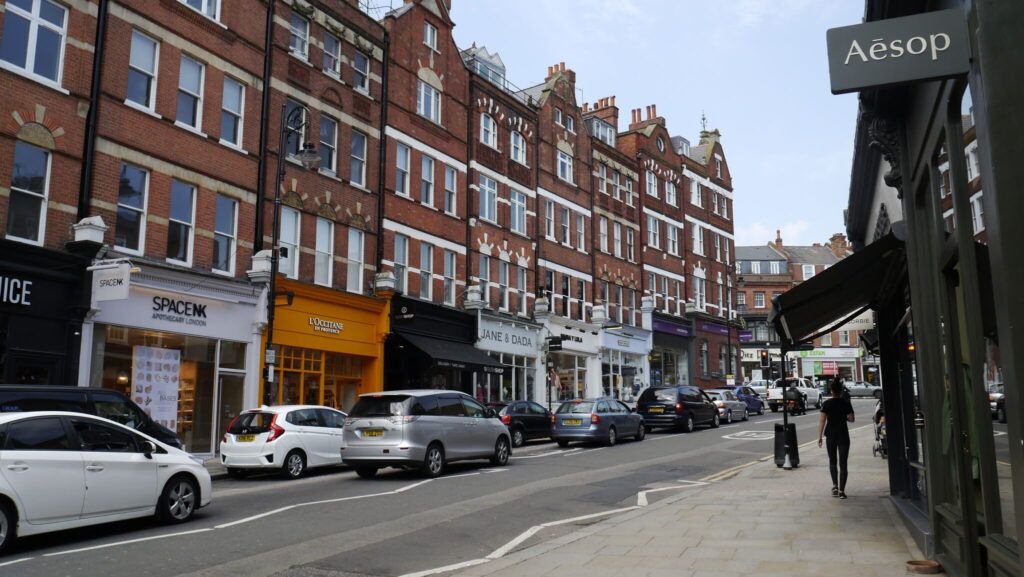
x=330, y=346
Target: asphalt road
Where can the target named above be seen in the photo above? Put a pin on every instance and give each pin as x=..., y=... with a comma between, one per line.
x=334, y=524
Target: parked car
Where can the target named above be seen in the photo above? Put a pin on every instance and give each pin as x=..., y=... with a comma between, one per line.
x=997, y=403
x=729, y=406
x=747, y=394
x=811, y=395
x=48, y=458
x=863, y=389
x=286, y=438
x=424, y=429
x=106, y=403
x=604, y=419
x=682, y=406
x=760, y=387
x=526, y=420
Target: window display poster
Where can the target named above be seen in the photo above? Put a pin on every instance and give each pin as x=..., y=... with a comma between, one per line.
x=157, y=373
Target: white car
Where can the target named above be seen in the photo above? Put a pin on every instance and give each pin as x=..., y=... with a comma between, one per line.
x=63, y=470
x=812, y=396
x=288, y=438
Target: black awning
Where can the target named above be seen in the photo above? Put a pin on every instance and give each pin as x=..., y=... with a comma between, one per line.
x=452, y=354
x=854, y=284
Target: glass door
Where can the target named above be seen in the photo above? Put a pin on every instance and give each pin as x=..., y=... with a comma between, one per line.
x=230, y=391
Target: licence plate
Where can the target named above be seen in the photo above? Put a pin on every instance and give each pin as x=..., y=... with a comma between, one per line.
x=655, y=409
x=572, y=422
x=373, y=433
x=245, y=438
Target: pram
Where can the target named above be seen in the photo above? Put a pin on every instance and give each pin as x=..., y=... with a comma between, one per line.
x=881, y=446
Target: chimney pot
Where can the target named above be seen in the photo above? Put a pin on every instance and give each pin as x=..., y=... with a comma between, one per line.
x=654, y=110
x=561, y=66
x=613, y=101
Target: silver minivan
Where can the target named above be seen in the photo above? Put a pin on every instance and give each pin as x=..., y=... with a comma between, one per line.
x=423, y=429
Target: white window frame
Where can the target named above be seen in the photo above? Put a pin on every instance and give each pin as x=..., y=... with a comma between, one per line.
x=558, y=117
x=652, y=183
x=518, y=146
x=714, y=202
x=153, y=74
x=142, y=218
x=696, y=198
x=190, y=225
x=428, y=102
x=43, y=198
x=773, y=266
x=670, y=193
x=826, y=340
x=488, y=199
x=570, y=123
x=630, y=245
x=354, y=252
x=549, y=219
x=427, y=170
x=451, y=180
x=718, y=247
x=521, y=287
x=565, y=168
x=698, y=239
x=566, y=227
x=977, y=213
x=231, y=239
x=488, y=130
x=755, y=267
x=617, y=239
x=672, y=232
x=450, y=264
x=581, y=233
x=430, y=35
x=700, y=292
x=361, y=80
x=353, y=158
x=759, y=299
x=332, y=145
x=503, y=282
x=602, y=230
x=324, y=232
x=653, y=232
x=208, y=8
x=293, y=249
x=298, y=36
x=844, y=338
x=484, y=279
x=629, y=191
x=808, y=271
x=517, y=212
x=402, y=172
x=334, y=70
x=401, y=262
x=426, y=271
x=226, y=110
x=198, y=126
x=34, y=22
x=741, y=299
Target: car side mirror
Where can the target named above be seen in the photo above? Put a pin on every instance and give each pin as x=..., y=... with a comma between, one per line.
x=148, y=448
x=490, y=413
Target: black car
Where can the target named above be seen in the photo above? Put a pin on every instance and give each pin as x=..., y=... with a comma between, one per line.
x=682, y=407
x=526, y=420
x=105, y=403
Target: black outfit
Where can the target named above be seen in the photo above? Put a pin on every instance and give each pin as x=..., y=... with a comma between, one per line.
x=837, y=440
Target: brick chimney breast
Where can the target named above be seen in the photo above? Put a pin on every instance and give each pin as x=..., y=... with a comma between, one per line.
x=778, y=238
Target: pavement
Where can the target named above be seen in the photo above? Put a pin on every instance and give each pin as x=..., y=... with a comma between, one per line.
x=755, y=519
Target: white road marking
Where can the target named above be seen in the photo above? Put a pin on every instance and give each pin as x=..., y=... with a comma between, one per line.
x=460, y=475
x=6, y=563
x=447, y=568
x=750, y=435
x=663, y=437
x=128, y=542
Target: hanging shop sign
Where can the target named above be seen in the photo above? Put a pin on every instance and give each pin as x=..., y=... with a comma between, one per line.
x=927, y=46
x=111, y=283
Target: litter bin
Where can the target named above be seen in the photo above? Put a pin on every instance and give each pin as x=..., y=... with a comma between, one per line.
x=786, y=435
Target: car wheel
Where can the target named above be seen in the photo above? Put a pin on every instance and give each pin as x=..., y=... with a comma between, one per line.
x=641, y=432
x=688, y=424
x=728, y=417
x=433, y=461
x=1001, y=415
x=612, y=437
x=366, y=472
x=648, y=428
x=715, y=422
x=237, y=473
x=562, y=443
x=746, y=415
x=877, y=394
x=775, y=409
x=518, y=438
x=294, y=465
x=501, y=452
x=178, y=500
x=760, y=409
x=8, y=526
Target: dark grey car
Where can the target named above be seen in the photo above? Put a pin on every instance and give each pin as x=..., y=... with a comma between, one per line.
x=604, y=420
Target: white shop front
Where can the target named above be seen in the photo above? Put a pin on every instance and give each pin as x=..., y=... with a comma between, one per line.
x=575, y=371
x=515, y=344
x=181, y=346
x=624, y=361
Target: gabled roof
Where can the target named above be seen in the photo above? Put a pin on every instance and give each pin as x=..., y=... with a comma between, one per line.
x=759, y=253
x=810, y=255
x=534, y=92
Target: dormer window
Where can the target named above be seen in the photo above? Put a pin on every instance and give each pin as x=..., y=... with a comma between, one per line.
x=430, y=36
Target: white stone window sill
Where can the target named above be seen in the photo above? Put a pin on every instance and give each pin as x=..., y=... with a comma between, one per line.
x=141, y=108
x=33, y=77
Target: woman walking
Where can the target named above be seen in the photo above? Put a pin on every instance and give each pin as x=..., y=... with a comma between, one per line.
x=836, y=412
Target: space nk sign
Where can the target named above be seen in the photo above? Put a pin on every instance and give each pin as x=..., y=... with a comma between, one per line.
x=927, y=46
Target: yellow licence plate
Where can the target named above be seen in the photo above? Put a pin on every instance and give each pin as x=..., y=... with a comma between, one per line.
x=245, y=438
x=655, y=409
x=373, y=432
x=572, y=422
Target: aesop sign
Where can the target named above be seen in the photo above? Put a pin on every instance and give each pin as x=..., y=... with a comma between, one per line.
x=927, y=46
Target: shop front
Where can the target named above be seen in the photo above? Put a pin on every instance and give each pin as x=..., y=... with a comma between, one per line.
x=433, y=347
x=672, y=341
x=574, y=372
x=181, y=346
x=515, y=344
x=624, y=354
x=826, y=363
x=42, y=304
x=330, y=346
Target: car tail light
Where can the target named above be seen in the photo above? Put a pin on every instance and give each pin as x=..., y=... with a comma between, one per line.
x=552, y=419
x=595, y=419
x=231, y=424
x=409, y=418
x=679, y=407
x=506, y=419
x=275, y=429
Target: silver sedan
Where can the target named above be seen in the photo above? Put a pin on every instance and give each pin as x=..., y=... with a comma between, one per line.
x=730, y=407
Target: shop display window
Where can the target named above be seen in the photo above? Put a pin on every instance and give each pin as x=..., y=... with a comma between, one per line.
x=515, y=384
x=313, y=377
x=569, y=378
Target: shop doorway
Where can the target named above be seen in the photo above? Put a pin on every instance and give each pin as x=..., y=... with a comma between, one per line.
x=230, y=399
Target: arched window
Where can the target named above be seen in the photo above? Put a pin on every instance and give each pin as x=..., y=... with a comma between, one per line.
x=488, y=130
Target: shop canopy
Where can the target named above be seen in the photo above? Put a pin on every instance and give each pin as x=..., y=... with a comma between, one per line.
x=452, y=354
x=841, y=292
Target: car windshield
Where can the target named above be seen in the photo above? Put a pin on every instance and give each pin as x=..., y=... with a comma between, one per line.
x=715, y=395
x=665, y=394
x=576, y=408
x=380, y=406
x=789, y=383
x=252, y=422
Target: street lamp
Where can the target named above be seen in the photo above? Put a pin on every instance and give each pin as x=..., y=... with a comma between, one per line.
x=292, y=123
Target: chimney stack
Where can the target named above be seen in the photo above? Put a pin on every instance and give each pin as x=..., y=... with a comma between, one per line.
x=778, y=238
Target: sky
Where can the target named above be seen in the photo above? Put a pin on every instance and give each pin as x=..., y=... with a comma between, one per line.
x=757, y=69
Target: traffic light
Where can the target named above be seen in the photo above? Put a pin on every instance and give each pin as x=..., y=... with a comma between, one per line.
x=766, y=358
x=792, y=366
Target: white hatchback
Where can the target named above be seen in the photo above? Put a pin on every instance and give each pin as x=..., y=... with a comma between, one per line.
x=63, y=470
x=288, y=438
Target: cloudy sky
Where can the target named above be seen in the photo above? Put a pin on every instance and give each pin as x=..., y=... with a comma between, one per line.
x=756, y=68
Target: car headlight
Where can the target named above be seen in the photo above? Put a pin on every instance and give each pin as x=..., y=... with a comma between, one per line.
x=197, y=460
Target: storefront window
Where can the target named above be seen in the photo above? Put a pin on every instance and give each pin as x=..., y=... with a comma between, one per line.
x=619, y=374
x=569, y=378
x=171, y=376
x=669, y=367
x=514, y=384
x=314, y=377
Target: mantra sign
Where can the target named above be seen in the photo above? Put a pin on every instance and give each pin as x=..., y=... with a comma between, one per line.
x=927, y=46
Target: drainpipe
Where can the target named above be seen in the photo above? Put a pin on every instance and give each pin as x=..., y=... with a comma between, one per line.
x=261, y=176
x=382, y=152
x=89, y=148
x=469, y=193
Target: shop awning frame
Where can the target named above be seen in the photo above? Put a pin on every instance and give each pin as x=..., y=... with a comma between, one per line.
x=841, y=292
x=452, y=354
